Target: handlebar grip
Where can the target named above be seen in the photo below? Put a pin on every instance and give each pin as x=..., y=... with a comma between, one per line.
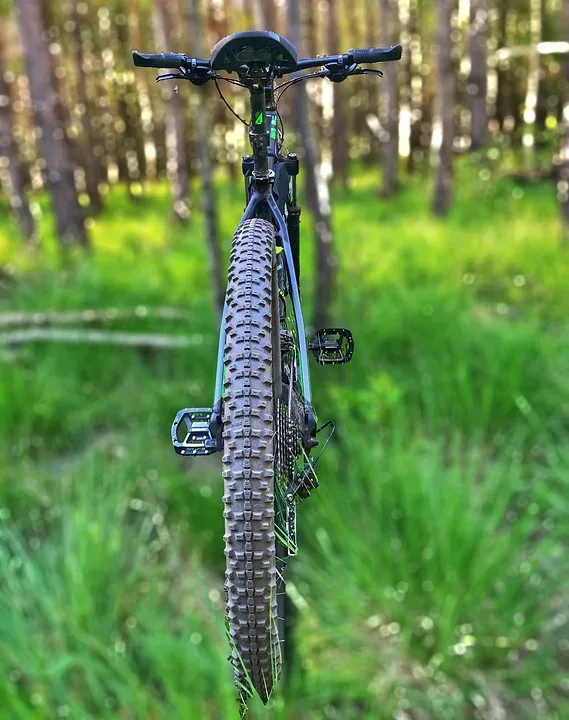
x=372, y=55
x=158, y=60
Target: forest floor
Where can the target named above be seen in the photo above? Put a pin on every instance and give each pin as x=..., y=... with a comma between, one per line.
x=432, y=579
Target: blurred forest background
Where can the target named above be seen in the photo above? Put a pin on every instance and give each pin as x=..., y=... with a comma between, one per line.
x=432, y=580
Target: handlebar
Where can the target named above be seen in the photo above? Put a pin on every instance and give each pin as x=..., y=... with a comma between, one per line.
x=363, y=55
x=167, y=60
x=354, y=56
x=373, y=55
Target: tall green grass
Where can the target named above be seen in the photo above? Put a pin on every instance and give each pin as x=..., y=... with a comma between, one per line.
x=104, y=611
x=434, y=564
x=431, y=580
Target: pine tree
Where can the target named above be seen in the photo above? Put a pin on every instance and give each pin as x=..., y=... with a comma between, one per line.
x=446, y=92
x=49, y=115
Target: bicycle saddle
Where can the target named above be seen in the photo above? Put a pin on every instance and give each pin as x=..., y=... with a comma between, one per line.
x=248, y=46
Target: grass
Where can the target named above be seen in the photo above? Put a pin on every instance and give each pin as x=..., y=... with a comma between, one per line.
x=431, y=580
x=79, y=592
x=450, y=569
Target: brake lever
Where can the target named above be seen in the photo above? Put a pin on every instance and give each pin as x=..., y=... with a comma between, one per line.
x=339, y=73
x=171, y=76
x=367, y=71
x=340, y=77
x=195, y=80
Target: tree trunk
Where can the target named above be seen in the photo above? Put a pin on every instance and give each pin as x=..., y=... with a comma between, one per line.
x=502, y=93
x=90, y=164
x=147, y=121
x=477, y=82
x=390, y=101
x=312, y=45
x=48, y=110
x=355, y=120
x=532, y=91
x=208, y=191
x=310, y=30
x=131, y=158
x=265, y=15
x=102, y=119
x=178, y=163
x=316, y=186
x=340, y=150
x=419, y=107
x=563, y=183
x=13, y=179
x=372, y=88
x=548, y=84
x=446, y=88
x=249, y=13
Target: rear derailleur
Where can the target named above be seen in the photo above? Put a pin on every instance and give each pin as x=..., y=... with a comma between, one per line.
x=305, y=480
x=301, y=486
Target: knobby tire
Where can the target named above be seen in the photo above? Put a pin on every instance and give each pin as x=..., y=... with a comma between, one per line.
x=252, y=354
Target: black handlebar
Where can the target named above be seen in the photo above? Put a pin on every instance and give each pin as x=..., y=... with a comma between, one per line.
x=167, y=60
x=372, y=55
x=364, y=55
x=179, y=60
x=158, y=60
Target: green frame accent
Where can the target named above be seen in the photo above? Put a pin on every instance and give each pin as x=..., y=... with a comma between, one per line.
x=273, y=132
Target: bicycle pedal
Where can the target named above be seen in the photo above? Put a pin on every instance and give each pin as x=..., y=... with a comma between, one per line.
x=197, y=431
x=332, y=346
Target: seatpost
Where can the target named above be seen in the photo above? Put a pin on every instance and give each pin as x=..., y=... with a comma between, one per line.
x=259, y=132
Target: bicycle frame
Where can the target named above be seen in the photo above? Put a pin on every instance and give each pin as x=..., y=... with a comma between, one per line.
x=264, y=142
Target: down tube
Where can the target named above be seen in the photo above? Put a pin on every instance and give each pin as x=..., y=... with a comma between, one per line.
x=249, y=210
x=301, y=332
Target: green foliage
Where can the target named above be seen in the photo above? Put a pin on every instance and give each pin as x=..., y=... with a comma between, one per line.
x=431, y=575
x=441, y=559
x=80, y=587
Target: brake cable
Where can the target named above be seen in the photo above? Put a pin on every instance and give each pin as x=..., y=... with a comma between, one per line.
x=289, y=83
x=283, y=87
x=222, y=96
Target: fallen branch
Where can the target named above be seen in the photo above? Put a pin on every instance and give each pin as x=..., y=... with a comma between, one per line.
x=87, y=316
x=535, y=175
x=542, y=48
x=100, y=337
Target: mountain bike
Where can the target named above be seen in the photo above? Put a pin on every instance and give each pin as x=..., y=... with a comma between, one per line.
x=263, y=420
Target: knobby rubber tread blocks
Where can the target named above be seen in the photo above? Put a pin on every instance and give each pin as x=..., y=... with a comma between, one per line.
x=248, y=461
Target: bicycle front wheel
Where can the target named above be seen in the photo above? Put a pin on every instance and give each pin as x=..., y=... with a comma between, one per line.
x=252, y=355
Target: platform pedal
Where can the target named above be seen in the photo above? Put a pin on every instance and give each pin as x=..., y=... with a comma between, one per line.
x=197, y=431
x=332, y=346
